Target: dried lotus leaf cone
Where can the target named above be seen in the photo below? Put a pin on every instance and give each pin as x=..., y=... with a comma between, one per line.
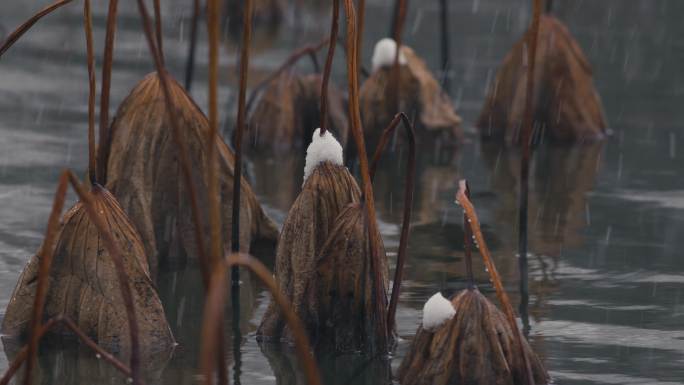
x=419, y=94
x=475, y=347
x=286, y=110
x=83, y=283
x=566, y=106
x=347, y=319
x=144, y=173
x=326, y=192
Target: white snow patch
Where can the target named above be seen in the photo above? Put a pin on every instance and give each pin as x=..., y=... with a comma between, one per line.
x=437, y=311
x=322, y=148
x=384, y=52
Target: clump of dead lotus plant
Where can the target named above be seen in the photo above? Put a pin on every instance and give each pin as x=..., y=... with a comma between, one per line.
x=73, y=285
x=477, y=343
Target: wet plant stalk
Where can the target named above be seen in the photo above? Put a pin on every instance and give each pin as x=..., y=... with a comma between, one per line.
x=92, y=89
x=473, y=221
x=213, y=9
x=468, y=243
x=525, y=141
x=62, y=320
x=115, y=253
x=409, y=187
x=180, y=142
x=444, y=40
x=45, y=254
x=213, y=315
x=369, y=201
x=396, y=34
x=108, y=57
x=158, y=29
x=17, y=33
x=190, y=64
x=332, y=42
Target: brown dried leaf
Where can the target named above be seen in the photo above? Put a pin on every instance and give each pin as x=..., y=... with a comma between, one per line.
x=84, y=284
x=567, y=107
x=144, y=174
x=327, y=191
x=477, y=346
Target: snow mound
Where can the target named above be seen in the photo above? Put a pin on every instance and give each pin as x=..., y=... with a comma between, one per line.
x=322, y=148
x=437, y=311
x=383, y=54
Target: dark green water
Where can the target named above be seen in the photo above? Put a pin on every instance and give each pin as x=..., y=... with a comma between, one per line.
x=607, y=221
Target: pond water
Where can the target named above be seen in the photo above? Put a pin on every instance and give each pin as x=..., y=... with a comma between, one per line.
x=606, y=220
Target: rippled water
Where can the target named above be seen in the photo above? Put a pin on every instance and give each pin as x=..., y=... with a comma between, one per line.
x=606, y=220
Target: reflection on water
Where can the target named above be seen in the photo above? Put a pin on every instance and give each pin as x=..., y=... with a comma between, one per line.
x=605, y=220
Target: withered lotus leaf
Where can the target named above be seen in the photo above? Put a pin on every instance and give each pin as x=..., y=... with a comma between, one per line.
x=288, y=108
x=419, y=93
x=143, y=172
x=566, y=106
x=347, y=316
x=476, y=346
x=83, y=283
x=326, y=192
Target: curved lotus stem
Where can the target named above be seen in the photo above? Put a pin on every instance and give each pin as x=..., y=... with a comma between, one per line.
x=22, y=29
x=474, y=222
x=334, y=27
x=182, y=146
x=297, y=54
x=104, y=96
x=213, y=316
x=115, y=253
x=23, y=354
x=357, y=131
x=468, y=244
x=92, y=88
x=190, y=64
x=525, y=138
x=408, y=205
x=46, y=253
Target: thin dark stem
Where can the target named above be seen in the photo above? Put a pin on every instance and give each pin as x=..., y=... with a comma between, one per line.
x=17, y=33
x=190, y=64
x=357, y=132
x=45, y=256
x=213, y=316
x=474, y=223
x=158, y=29
x=468, y=244
x=213, y=12
x=334, y=27
x=408, y=205
x=68, y=323
x=114, y=251
x=289, y=62
x=92, y=89
x=396, y=34
x=525, y=142
x=104, y=97
x=360, y=24
x=444, y=33
x=182, y=146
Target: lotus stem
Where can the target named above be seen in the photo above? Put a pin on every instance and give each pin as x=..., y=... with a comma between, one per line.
x=180, y=142
x=190, y=64
x=115, y=253
x=46, y=253
x=158, y=29
x=213, y=12
x=445, y=46
x=396, y=34
x=104, y=97
x=525, y=139
x=23, y=354
x=17, y=33
x=334, y=27
x=473, y=221
x=409, y=187
x=213, y=315
x=360, y=24
x=468, y=244
x=310, y=50
x=92, y=89
x=357, y=131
